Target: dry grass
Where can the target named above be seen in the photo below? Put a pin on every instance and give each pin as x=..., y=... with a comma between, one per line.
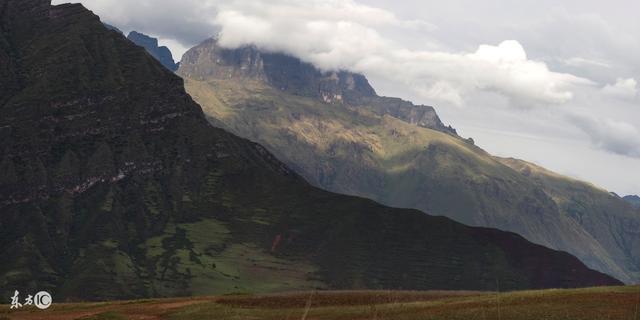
x=621, y=303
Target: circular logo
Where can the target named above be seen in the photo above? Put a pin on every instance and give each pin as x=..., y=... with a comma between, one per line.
x=42, y=300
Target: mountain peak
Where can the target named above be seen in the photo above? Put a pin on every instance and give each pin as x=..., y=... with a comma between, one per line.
x=282, y=71
x=210, y=61
x=160, y=53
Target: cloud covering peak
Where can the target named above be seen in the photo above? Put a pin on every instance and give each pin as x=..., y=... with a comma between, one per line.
x=341, y=34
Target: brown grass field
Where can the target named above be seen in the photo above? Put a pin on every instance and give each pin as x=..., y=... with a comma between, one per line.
x=583, y=304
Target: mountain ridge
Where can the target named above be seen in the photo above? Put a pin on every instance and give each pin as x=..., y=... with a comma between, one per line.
x=124, y=190
x=293, y=76
x=369, y=146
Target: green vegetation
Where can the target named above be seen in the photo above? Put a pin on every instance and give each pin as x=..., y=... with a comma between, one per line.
x=205, y=252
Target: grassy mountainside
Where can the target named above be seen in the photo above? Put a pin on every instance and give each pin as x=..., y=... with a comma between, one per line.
x=113, y=185
x=594, y=208
x=342, y=137
x=583, y=304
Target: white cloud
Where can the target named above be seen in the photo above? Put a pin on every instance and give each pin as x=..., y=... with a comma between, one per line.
x=584, y=62
x=345, y=34
x=615, y=136
x=341, y=34
x=623, y=88
x=178, y=24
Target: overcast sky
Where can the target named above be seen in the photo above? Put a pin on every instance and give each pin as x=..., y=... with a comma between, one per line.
x=552, y=82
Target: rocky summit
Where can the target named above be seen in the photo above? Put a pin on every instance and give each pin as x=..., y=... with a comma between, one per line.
x=209, y=61
x=113, y=185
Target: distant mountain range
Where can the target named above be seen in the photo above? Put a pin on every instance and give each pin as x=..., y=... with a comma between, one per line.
x=162, y=54
x=332, y=128
x=113, y=185
x=633, y=200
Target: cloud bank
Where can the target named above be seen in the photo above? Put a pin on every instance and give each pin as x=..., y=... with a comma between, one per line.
x=618, y=137
x=623, y=88
x=341, y=34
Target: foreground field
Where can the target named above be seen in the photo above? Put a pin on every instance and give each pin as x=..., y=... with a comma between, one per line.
x=583, y=304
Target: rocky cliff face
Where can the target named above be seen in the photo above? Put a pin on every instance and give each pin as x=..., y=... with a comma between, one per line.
x=397, y=153
x=289, y=74
x=162, y=54
x=113, y=185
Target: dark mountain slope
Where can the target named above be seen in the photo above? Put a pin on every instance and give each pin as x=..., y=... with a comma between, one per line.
x=114, y=185
x=334, y=130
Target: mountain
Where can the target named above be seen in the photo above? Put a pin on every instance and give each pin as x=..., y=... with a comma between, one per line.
x=113, y=185
x=333, y=129
x=611, y=220
x=633, y=200
x=162, y=54
x=110, y=27
x=291, y=76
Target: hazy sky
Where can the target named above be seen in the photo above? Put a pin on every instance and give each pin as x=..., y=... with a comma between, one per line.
x=552, y=82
